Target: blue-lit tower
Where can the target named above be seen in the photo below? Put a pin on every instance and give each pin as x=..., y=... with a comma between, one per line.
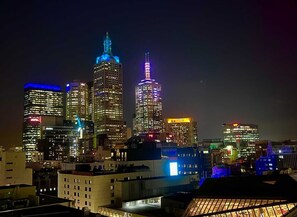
x=39, y=100
x=148, y=104
x=108, y=96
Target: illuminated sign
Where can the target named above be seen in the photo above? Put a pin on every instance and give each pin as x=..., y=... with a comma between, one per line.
x=173, y=168
x=235, y=125
x=42, y=87
x=35, y=120
x=178, y=120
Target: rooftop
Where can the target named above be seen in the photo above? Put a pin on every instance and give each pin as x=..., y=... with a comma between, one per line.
x=14, y=186
x=276, y=186
x=45, y=211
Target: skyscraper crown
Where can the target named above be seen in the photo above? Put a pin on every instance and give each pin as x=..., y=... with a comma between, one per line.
x=107, y=55
x=147, y=66
x=107, y=44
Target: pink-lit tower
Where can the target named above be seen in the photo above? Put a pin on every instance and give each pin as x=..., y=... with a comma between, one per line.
x=148, y=104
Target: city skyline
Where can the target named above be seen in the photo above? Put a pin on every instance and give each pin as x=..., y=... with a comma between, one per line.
x=236, y=59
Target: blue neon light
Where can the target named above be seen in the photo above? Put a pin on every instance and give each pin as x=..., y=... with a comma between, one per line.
x=107, y=44
x=107, y=57
x=117, y=59
x=42, y=86
x=68, y=88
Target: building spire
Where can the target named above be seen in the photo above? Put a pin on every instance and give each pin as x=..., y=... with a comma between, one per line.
x=147, y=66
x=107, y=44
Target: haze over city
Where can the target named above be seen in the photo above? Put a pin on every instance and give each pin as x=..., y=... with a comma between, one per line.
x=217, y=61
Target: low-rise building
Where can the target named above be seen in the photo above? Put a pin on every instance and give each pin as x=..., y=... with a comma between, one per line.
x=97, y=188
x=13, y=169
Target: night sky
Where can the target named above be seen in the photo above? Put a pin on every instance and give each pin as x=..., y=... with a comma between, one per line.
x=218, y=61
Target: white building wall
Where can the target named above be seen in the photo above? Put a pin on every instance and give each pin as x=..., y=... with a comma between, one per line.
x=91, y=191
x=13, y=168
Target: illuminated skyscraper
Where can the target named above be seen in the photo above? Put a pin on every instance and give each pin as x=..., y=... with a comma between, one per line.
x=238, y=133
x=39, y=100
x=182, y=130
x=243, y=136
x=108, y=96
x=148, y=104
x=91, y=100
x=77, y=101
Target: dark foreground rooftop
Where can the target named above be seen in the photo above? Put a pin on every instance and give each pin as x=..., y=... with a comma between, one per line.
x=46, y=211
x=278, y=186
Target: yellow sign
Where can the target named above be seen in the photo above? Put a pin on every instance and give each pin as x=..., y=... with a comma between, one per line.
x=178, y=120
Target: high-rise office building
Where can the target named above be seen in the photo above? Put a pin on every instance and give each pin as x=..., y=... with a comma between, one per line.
x=148, y=104
x=108, y=96
x=90, y=100
x=39, y=100
x=77, y=101
x=240, y=135
x=183, y=131
x=238, y=132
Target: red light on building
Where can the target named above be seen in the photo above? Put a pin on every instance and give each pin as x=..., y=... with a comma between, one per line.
x=35, y=120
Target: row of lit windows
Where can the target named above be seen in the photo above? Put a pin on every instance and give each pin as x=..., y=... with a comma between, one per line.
x=203, y=206
x=78, y=181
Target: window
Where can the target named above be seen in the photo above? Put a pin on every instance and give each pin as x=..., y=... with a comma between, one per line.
x=90, y=181
x=78, y=187
x=86, y=196
x=112, y=181
x=86, y=188
x=89, y=189
x=74, y=193
x=89, y=203
x=86, y=203
x=8, y=170
x=111, y=187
